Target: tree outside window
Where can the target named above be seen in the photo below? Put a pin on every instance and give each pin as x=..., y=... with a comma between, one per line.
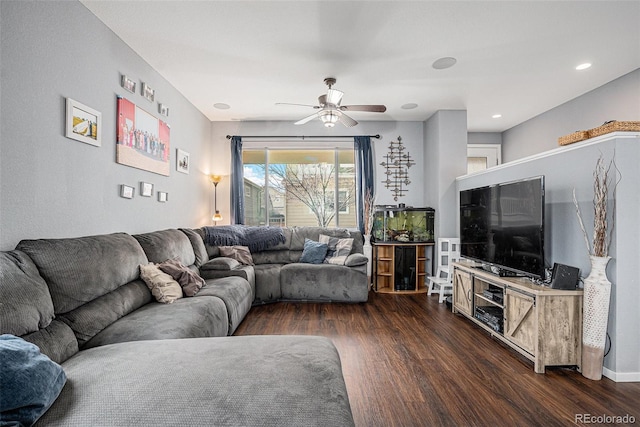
x=302, y=184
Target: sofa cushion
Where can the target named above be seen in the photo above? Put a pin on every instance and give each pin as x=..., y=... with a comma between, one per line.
x=237, y=295
x=163, y=287
x=239, y=253
x=199, y=250
x=57, y=341
x=167, y=244
x=78, y=270
x=89, y=319
x=185, y=318
x=338, y=249
x=267, y=282
x=314, y=252
x=324, y=282
x=25, y=302
x=188, y=279
x=283, y=381
x=221, y=263
x=29, y=384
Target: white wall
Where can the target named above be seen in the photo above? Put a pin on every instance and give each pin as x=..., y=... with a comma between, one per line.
x=53, y=186
x=616, y=100
x=411, y=133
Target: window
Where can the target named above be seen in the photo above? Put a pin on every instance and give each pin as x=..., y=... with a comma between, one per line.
x=292, y=187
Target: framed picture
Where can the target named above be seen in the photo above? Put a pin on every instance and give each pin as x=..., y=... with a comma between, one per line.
x=182, y=161
x=163, y=109
x=163, y=196
x=146, y=189
x=142, y=139
x=128, y=84
x=83, y=123
x=126, y=191
x=148, y=93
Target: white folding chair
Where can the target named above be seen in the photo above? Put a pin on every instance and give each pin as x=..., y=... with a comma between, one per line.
x=442, y=282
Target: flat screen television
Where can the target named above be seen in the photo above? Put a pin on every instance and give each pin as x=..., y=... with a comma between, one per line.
x=502, y=226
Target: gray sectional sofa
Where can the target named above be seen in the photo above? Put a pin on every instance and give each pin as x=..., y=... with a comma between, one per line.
x=279, y=276
x=130, y=360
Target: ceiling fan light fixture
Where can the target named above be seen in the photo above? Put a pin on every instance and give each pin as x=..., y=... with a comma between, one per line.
x=329, y=119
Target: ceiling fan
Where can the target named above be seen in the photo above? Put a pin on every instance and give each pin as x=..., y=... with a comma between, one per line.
x=330, y=110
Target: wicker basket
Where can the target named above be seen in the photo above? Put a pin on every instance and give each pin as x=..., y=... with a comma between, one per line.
x=580, y=135
x=614, y=126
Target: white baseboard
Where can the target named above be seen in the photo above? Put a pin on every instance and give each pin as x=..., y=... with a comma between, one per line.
x=625, y=377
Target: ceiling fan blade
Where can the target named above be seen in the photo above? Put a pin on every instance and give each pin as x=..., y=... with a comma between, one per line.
x=346, y=120
x=301, y=105
x=370, y=108
x=308, y=118
x=334, y=96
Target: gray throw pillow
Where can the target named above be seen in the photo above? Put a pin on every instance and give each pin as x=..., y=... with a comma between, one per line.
x=29, y=384
x=338, y=249
x=239, y=253
x=313, y=252
x=188, y=279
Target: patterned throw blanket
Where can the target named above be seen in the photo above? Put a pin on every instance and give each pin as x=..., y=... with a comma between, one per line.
x=256, y=238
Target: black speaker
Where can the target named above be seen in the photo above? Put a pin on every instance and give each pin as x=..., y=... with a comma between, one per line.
x=564, y=276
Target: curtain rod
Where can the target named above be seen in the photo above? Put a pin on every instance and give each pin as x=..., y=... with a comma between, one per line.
x=303, y=137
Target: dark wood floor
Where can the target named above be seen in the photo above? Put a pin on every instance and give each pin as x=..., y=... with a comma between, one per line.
x=408, y=361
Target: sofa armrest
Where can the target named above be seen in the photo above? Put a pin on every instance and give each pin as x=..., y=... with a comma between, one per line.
x=355, y=260
x=244, y=271
x=221, y=264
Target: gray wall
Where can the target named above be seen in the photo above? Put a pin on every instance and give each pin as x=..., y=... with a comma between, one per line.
x=484, y=138
x=572, y=167
x=445, y=158
x=53, y=186
x=616, y=100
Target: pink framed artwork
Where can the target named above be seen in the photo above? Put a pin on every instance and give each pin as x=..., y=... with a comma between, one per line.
x=143, y=141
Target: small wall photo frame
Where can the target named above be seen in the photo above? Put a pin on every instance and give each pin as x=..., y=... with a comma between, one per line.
x=128, y=84
x=163, y=196
x=148, y=93
x=163, y=109
x=83, y=123
x=146, y=189
x=182, y=161
x=126, y=191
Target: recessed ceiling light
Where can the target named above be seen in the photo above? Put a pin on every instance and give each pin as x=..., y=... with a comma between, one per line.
x=583, y=66
x=409, y=106
x=442, y=63
x=496, y=116
x=221, y=106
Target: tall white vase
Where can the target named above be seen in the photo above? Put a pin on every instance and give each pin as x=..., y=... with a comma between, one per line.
x=595, y=312
x=368, y=252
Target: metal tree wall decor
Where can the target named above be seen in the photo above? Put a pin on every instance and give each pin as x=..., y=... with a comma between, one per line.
x=397, y=162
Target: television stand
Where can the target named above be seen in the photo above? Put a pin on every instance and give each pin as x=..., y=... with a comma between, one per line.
x=542, y=324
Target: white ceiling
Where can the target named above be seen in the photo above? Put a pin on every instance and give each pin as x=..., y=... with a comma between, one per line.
x=516, y=58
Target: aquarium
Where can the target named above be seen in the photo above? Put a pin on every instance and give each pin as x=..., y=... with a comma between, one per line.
x=403, y=224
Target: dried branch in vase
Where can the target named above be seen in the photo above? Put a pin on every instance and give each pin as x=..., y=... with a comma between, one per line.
x=369, y=211
x=602, y=181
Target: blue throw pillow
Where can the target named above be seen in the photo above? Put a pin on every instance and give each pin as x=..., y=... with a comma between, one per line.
x=30, y=382
x=314, y=252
